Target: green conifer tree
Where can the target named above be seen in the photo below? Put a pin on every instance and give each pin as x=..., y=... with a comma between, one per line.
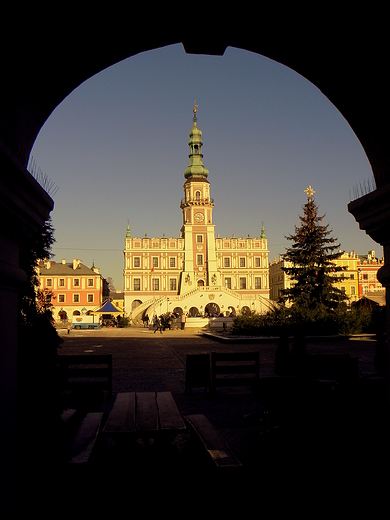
x=312, y=268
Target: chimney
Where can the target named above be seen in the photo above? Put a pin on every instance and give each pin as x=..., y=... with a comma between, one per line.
x=63, y=261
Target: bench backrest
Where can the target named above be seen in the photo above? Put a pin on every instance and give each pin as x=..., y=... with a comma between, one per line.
x=234, y=368
x=86, y=370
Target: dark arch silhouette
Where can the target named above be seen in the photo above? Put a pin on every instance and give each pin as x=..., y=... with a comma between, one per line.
x=45, y=58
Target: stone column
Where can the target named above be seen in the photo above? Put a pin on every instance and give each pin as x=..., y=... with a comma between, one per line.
x=24, y=207
x=372, y=212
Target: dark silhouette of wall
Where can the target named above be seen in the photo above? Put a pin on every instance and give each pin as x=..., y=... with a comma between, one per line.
x=45, y=56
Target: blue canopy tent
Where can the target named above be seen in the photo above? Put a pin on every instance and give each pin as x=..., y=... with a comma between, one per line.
x=108, y=308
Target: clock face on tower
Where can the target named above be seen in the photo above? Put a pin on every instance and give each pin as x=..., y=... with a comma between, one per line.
x=199, y=217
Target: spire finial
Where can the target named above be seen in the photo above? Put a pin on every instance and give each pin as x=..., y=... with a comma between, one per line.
x=194, y=111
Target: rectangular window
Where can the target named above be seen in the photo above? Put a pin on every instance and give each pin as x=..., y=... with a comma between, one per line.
x=137, y=284
x=257, y=282
x=226, y=262
x=61, y=298
x=76, y=282
x=172, y=262
x=228, y=283
x=172, y=284
x=199, y=238
x=48, y=282
x=257, y=261
x=353, y=290
x=242, y=283
x=156, y=284
x=61, y=282
x=155, y=261
x=90, y=282
x=137, y=261
x=76, y=298
x=199, y=259
x=90, y=298
x=242, y=262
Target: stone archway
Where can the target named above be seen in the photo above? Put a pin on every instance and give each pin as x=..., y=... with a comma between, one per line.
x=62, y=315
x=350, y=70
x=135, y=304
x=212, y=309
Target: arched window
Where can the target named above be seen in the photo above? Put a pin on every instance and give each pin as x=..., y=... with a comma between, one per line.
x=197, y=195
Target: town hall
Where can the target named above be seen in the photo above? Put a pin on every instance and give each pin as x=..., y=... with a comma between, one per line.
x=197, y=274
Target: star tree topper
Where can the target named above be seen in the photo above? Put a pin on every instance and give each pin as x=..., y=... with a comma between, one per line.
x=310, y=192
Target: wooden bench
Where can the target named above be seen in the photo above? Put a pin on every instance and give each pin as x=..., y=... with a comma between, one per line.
x=216, y=447
x=83, y=443
x=233, y=368
x=144, y=415
x=85, y=372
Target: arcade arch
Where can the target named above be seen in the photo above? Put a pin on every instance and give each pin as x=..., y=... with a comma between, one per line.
x=350, y=70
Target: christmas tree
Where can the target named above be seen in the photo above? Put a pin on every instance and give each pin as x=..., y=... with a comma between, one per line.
x=311, y=263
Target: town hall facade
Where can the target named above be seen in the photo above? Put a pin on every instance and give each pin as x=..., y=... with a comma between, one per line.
x=196, y=274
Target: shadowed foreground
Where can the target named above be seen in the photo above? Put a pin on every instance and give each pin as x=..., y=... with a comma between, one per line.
x=325, y=443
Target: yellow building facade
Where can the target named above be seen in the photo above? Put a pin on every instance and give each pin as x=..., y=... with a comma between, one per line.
x=279, y=280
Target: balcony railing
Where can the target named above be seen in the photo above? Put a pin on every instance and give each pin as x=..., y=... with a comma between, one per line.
x=197, y=202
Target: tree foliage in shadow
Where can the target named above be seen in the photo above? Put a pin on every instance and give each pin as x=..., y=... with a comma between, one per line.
x=38, y=342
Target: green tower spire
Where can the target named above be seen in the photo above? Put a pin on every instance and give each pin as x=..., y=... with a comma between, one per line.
x=262, y=234
x=128, y=235
x=195, y=168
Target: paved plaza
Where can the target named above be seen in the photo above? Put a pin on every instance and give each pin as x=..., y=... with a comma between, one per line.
x=310, y=452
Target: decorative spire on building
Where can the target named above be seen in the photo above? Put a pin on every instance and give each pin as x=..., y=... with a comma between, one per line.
x=128, y=235
x=195, y=168
x=262, y=234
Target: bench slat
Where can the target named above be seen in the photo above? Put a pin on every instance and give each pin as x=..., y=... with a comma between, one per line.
x=84, y=441
x=212, y=440
x=235, y=369
x=234, y=381
x=77, y=359
x=86, y=372
x=122, y=416
x=146, y=412
x=236, y=356
x=170, y=418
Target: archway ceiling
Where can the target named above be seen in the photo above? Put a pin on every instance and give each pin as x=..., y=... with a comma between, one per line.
x=346, y=61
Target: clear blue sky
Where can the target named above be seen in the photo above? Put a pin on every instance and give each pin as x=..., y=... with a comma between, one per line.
x=117, y=148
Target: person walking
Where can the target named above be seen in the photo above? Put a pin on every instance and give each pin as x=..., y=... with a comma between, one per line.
x=183, y=321
x=158, y=325
x=146, y=321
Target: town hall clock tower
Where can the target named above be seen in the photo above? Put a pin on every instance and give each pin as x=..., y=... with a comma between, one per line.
x=200, y=264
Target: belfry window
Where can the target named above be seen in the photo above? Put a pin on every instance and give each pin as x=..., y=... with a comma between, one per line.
x=195, y=148
x=197, y=195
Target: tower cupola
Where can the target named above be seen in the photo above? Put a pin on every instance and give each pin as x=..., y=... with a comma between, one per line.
x=195, y=168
